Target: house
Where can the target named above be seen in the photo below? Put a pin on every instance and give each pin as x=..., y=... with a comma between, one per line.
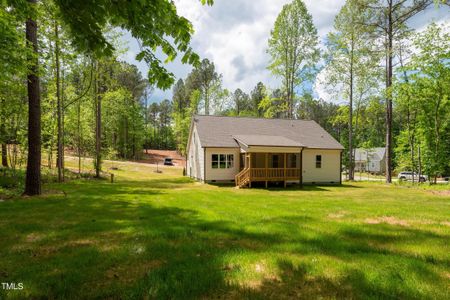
x=371, y=160
x=246, y=150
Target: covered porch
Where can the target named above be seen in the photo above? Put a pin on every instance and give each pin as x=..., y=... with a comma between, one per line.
x=266, y=167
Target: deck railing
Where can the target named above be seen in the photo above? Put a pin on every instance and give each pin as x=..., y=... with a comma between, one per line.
x=274, y=173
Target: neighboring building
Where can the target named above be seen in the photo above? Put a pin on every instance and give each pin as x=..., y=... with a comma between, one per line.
x=371, y=160
x=246, y=150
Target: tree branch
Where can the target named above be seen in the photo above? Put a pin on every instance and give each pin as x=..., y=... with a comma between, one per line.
x=85, y=92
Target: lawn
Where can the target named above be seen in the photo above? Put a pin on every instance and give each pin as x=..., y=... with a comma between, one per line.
x=163, y=236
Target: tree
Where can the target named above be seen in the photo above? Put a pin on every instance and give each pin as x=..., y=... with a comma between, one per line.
x=60, y=152
x=180, y=105
x=153, y=112
x=273, y=105
x=241, y=102
x=13, y=66
x=388, y=19
x=180, y=99
x=154, y=22
x=165, y=119
x=33, y=174
x=256, y=96
x=207, y=81
x=98, y=91
x=351, y=61
x=407, y=105
x=293, y=49
x=320, y=111
x=429, y=82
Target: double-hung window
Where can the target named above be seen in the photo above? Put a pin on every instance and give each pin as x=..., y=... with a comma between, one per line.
x=222, y=161
x=318, y=161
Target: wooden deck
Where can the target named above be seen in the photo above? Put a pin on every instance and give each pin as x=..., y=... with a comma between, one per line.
x=250, y=173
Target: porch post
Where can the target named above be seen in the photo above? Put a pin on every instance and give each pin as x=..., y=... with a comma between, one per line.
x=246, y=161
x=284, y=173
x=250, y=169
x=266, y=163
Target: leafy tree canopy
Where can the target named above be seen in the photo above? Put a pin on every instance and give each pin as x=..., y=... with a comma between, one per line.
x=154, y=23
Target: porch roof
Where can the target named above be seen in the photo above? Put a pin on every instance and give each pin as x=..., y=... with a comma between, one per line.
x=266, y=141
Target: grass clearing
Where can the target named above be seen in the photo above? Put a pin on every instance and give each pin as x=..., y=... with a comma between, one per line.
x=162, y=235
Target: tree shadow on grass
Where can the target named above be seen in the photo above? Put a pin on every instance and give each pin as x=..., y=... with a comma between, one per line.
x=99, y=243
x=383, y=273
x=295, y=282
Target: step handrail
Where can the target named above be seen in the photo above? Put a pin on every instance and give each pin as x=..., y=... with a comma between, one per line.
x=242, y=176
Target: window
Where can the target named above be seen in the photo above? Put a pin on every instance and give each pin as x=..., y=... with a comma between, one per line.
x=318, y=161
x=215, y=161
x=222, y=161
x=230, y=161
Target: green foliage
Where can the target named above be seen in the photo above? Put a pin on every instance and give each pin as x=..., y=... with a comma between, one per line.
x=352, y=59
x=155, y=23
x=320, y=111
x=256, y=96
x=293, y=50
x=205, y=79
x=273, y=104
x=123, y=123
x=424, y=100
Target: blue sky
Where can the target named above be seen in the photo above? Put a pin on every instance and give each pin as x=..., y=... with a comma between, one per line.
x=234, y=35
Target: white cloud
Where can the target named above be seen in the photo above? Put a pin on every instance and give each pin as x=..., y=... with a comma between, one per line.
x=234, y=35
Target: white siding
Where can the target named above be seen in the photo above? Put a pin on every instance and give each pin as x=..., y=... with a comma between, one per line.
x=330, y=170
x=376, y=166
x=221, y=174
x=373, y=166
x=196, y=157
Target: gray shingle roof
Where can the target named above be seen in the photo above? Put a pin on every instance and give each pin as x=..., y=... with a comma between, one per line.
x=266, y=140
x=217, y=131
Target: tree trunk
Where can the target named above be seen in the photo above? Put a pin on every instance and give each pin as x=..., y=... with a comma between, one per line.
x=79, y=135
x=206, y=102
x=350, y=121
x=59, y=155
x=33, y=174
x=4, y=155
x=409, y=120
x=389, y=55
x=3, y=137
x=98, y=127
x=62, y=121
x=420, y=162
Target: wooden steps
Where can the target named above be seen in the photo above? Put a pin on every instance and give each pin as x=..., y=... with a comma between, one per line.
x=243, y=178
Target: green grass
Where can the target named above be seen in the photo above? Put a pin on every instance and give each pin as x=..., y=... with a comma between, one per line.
x=163, y=236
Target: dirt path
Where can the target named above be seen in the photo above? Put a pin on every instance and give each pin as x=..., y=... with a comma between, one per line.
x=157, y=156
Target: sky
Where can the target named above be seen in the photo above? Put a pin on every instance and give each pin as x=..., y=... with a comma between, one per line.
x=234, y=35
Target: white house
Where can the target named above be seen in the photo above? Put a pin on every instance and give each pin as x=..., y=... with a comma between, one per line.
x=371, y=160
x=247, y=150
